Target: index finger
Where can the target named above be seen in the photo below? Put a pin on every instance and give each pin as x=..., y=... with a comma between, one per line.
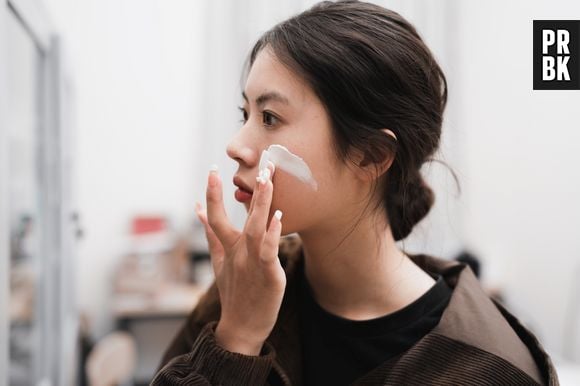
x=256, y=223
x=216, y=213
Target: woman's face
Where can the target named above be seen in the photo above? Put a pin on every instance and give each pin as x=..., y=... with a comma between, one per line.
x=279, y=108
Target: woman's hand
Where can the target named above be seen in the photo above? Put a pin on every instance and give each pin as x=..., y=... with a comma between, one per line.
x=249, y=277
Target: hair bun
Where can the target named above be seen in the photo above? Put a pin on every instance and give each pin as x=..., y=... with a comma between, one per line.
x=408, y=204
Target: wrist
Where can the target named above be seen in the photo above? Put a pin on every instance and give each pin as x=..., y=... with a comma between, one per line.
x=235, y=341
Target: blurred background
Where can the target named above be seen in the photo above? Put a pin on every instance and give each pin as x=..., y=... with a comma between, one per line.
x=111, y=113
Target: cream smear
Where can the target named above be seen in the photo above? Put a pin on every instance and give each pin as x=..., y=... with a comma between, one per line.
x=282, y=158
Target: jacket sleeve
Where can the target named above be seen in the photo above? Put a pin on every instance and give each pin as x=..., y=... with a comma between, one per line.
x=207, y=363
x=207, y=309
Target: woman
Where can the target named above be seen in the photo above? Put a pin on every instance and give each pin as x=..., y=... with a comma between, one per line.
x=350, y=89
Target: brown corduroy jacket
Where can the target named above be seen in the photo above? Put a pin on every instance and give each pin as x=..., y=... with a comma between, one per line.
x=477, y=341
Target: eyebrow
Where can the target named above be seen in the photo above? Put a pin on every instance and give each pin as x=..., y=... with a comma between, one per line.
x=268, y=96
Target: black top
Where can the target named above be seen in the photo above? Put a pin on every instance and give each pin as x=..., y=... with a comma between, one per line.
x=337, y=351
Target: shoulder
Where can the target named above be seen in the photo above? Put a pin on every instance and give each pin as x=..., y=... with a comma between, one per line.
x=478, y=337
x=439, y=359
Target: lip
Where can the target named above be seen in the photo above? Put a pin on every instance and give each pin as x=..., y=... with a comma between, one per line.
x=243, y=193
x=242, y=185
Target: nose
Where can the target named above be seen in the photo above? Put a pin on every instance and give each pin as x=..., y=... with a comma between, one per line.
x=240, y=150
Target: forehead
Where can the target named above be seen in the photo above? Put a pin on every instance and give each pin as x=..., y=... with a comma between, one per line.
x=269, y=75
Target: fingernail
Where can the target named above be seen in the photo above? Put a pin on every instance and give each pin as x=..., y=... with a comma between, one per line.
x=265, y=174
x=197, y=206
x=212, y=179
x=278, y=214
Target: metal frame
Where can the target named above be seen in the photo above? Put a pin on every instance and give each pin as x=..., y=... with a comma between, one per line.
x=57, y=349
x=4, y=221
x=35, y=19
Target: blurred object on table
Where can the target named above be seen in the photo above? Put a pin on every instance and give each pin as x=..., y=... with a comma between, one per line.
x=202, y=270
x=157, y=284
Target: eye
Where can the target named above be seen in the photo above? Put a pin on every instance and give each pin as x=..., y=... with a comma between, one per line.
x=244, y=114
x=269, y=119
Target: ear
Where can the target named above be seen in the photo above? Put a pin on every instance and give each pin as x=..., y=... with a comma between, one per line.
x=389, y=132
x=370, y=169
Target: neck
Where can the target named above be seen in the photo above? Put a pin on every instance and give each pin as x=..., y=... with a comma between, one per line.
x=364, y=276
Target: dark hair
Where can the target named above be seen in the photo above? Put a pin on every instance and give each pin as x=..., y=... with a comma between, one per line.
x=371, y=70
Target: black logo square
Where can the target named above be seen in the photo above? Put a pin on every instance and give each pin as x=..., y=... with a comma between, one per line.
x=556, y=55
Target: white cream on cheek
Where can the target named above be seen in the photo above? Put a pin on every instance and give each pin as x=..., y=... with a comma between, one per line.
x=284, y=159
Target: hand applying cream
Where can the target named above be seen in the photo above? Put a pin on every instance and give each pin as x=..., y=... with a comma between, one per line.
x=282, y=158
x=264, y=173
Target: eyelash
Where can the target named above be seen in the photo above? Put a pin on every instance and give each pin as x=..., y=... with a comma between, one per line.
x=264, y=114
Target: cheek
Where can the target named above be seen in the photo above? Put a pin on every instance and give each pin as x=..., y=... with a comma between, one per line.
x=294, y=198
x=301, y=205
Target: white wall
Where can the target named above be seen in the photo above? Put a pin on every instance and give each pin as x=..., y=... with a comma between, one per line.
x=521, y=153
x=136, y=65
